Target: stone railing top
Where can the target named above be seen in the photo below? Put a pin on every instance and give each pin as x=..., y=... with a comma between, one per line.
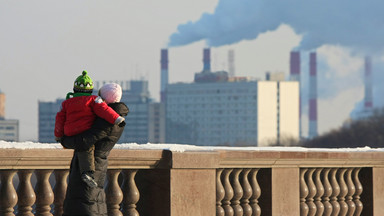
x=30, y=155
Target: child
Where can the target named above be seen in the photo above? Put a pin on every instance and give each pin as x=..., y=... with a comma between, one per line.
x=77, y=115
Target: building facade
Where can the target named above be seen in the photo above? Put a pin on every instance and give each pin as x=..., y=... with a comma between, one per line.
x=238, y=113
x=9, y=130
x=156, y=127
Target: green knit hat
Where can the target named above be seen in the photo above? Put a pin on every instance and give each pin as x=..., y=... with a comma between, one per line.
x=83, y=83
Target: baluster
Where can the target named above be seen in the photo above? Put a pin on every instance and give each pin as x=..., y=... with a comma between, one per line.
x=319, y=193
x=219, y=193
x=311, y=194
x=60, y=190
x=44, y=193
x=327, y=193
x=25, y=192
x=351, y=192
x=238, y=193
x=131, y=194
x=256, y=192
x=359, y=190
x=8, y=195
x=247, y=193
x=343, y=192
x=228, y=193
x=114, y=193
x=303, y=193
x=335, y=193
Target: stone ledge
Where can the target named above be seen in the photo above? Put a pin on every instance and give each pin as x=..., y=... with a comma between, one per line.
x=165, y=159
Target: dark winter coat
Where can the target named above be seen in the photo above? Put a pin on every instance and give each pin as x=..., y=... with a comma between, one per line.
x=81, y=199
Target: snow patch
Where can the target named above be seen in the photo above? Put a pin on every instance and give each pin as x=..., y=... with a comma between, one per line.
x=184, y=147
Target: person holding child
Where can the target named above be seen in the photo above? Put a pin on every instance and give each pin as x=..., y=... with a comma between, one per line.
x=82, y=198
x=77, y=114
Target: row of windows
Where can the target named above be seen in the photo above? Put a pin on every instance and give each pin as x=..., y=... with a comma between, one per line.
x=172, y=91
x=212, y=98
x=226, y=141
x=7, y=127
x=47, y=117
x=7, y=134
x=46, y=130
x=184, y=116
x=226, y=114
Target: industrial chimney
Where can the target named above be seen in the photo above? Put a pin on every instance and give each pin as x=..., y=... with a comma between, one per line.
x=164, y=74
x=368, y=99
x=294, y=75
x=207, y=60
x=231, y=63
x=312, y=95
x=2, y=106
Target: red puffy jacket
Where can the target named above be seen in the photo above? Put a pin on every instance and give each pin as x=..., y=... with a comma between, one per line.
x=77, y=115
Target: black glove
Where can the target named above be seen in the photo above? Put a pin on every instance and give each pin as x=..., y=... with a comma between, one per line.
x=122, y=124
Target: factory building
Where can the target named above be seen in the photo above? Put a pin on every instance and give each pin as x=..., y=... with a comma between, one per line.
x=220, y=110
x=232, y=113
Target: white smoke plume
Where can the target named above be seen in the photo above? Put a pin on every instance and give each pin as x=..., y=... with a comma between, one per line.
x=349, y=23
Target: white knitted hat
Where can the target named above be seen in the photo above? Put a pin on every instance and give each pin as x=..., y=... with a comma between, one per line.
x=111, y=93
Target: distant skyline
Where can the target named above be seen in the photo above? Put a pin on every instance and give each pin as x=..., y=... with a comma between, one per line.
x=45, y=45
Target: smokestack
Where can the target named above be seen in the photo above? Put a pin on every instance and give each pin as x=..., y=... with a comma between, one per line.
x=312, y=95
x=231, y=63
x=368, y=99
x=207, y=60
x=2, y=106
x=164, y=74
x=294, y=74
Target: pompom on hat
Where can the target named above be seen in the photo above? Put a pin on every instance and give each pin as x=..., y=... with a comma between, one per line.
x=83, y=83
x=110, y=93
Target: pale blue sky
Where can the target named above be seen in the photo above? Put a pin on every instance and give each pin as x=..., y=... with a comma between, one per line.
x=44, y=46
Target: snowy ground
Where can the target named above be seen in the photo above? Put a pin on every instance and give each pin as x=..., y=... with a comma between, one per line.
x=182, y=148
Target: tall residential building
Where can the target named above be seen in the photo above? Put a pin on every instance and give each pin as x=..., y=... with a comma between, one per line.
x=47, y=115
x=9, y=130
x=221, y=112
x=136, y=97
x=156, y=127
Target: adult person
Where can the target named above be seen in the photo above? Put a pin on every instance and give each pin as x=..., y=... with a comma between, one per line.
x=80, y=198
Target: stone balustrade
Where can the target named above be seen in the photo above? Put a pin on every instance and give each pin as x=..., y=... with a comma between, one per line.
x=222, y=182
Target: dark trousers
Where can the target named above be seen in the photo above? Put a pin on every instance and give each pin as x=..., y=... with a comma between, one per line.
x=87, y=160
